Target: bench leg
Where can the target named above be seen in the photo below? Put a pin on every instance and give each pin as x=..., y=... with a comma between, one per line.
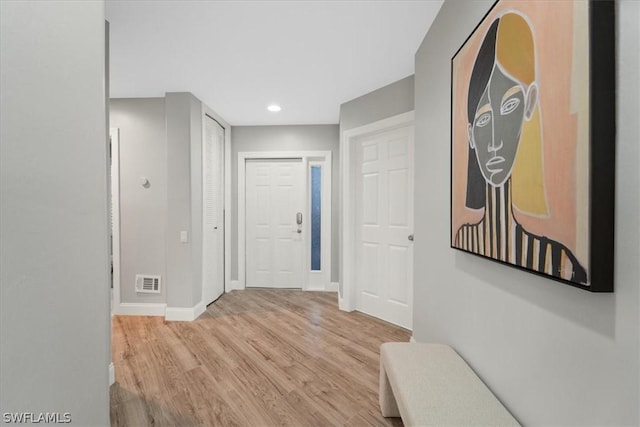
x=388, y=404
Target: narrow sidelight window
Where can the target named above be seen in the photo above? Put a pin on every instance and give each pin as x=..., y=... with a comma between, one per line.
x=316, y=217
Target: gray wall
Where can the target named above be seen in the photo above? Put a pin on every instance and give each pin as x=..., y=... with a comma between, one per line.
x=196, y=139
x=555, y=355
x=285, y=138
x=184, y=189
x=143, y=153
x=160, y=139
x=391, y=100
x=54, y=289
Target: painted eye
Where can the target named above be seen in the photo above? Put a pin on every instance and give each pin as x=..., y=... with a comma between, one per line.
x=483, y=120
x=509, y=105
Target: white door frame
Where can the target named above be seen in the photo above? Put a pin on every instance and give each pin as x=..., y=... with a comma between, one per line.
x=308, y=158
x=114, y=174
x=220, y=227
x=206, y=111
x=347, y=298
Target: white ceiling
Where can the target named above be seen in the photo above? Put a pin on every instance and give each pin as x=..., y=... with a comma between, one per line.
x=240, y=56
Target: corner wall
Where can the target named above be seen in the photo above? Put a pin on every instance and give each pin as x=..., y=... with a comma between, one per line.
x=184, y=195
x=54, y=272
x=143, y=153
x=388, y=101
x=161, y=139
x=555, y=355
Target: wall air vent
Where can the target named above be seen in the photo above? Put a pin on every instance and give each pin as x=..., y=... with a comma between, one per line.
x=148, y=284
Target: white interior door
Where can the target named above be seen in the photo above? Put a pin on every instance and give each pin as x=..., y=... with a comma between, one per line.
x=384, y=225
x=213, y=211
x=275, y=191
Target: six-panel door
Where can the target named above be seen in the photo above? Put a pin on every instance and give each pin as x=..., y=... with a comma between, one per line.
x=275, y=191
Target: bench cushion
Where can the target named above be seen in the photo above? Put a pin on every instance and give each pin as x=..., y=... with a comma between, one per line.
x=432, y=385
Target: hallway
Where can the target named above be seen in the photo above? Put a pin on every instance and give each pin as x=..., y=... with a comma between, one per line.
x=255, y=357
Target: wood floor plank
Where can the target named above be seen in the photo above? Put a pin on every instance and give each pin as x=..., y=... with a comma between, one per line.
x=258, y=357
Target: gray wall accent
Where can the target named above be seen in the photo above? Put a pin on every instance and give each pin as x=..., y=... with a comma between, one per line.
x=183, y=135
x=388, y=101
x=54, y=286
x=555, y=355
x=286, y=138
x=143, y=219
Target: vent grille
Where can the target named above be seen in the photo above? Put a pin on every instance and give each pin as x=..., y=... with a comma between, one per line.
x=148, y=284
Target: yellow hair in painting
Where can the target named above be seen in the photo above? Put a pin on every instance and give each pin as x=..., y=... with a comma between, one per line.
x=515, y=51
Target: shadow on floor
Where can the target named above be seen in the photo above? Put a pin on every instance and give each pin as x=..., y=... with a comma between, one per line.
x=130, y=409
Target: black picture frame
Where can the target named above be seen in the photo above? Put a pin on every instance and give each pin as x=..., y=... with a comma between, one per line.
x=602, y=137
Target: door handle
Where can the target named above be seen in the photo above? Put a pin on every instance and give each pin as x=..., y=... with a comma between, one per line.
x=299, y=222
x=410, y=237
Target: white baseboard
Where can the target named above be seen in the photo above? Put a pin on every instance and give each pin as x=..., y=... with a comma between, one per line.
x=199, y=309
x=412, y=339
x=330, y=287
x=327, y=287
x=156, y=309
x=184, y=314
x=141, y=309
x=112, y=374
x=344, y=306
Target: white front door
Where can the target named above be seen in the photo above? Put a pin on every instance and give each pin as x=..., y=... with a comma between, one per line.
x=212, y=212
x=384, y=225
x=275, y=200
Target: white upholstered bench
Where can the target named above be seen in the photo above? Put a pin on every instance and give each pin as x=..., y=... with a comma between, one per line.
x=430, y=385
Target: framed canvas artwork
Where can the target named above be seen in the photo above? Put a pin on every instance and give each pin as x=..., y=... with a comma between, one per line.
x=533, y=140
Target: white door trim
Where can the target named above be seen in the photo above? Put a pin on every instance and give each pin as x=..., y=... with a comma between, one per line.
x=206, y=111
x=347, y=298
x=114, y=173
x=319, y=280
x=219, y=226
x=306, y=156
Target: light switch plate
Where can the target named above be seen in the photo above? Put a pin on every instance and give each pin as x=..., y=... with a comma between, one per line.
x=184, y=237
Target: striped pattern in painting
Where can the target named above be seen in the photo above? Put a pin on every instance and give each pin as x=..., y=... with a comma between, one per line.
x=499, y=236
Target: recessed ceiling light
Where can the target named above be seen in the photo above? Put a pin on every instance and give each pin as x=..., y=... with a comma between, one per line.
x=274, y=108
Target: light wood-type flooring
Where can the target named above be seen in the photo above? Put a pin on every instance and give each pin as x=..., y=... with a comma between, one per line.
x=254, y=358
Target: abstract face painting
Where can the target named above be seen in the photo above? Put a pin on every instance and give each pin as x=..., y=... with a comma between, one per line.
x=520, y=140
x=497, y=98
